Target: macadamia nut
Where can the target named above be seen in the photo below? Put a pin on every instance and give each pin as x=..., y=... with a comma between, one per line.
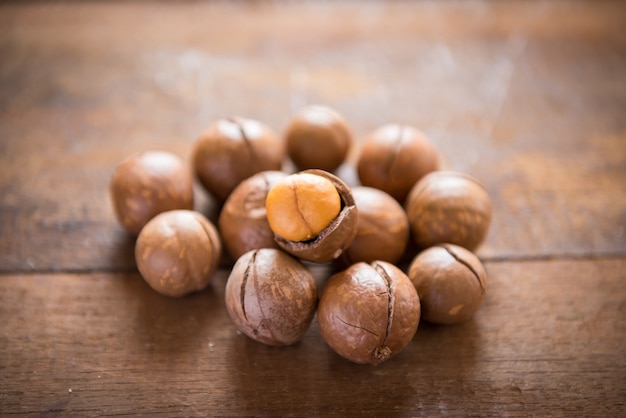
x=382, y=228
x=271, y=297
x=300, y=206
x=369, y=312
x=449, y=207
x=451, y=283
x=243, y=221
x=318, y=137
x=337, y=234
x=177, y=252
x=147, y=184
x=233, y=149
x=394, y=157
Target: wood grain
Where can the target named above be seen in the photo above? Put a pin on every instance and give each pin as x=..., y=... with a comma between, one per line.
x=532, y=108
x=527, y=97
x=550, y=339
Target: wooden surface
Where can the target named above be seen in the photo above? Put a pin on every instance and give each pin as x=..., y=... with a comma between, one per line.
x=530, y=97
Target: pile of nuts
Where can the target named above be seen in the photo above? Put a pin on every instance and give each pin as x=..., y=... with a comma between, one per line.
x=274, y=224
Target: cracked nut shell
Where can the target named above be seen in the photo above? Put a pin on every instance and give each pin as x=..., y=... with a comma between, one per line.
x=333, y=240
x=318, y=137
x=451, y=283
x=369, y=312
x=233, y=149
x=177, y=252
x=382, y=228
x=149, y=183
x=300, y=206
x=243, y=221
x=271, y=297
x=394, y=157
x=449, y=207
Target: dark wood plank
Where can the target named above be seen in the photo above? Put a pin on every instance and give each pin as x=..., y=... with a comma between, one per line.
x=550, y=339
x=528, y=98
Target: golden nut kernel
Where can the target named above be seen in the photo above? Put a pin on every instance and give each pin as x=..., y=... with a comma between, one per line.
x=333, y=240
x=301, y=206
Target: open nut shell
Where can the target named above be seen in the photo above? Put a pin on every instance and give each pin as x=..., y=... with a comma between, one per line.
x=336, y=237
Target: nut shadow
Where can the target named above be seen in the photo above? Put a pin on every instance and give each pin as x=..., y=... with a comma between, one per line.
x=309, y=378
x=167, y=327
x=121, y=254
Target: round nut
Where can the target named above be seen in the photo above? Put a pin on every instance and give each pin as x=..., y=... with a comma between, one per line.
x=233, y=149
x=335, y=238
x=449, y=207
x=318, y=137
x=147, y=184
x=382, y=228
x=451, y=283
x=369, y=312
x=177, y=252
x=394, y=157
x=243, y=221
x=271, y=297
x=300, y=206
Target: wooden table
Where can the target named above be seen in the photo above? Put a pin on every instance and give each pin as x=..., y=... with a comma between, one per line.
x=529, y=97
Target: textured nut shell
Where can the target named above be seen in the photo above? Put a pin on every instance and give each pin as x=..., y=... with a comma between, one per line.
x=382, y=228
x=333, y=240
x=451, y=283
x=369, y=313
x=231, y=150
x=243, y=222
x=318, y=137
x=177, y=252
x=449, y=207
x=394, y=157
x=147, y=184
x=271, y=297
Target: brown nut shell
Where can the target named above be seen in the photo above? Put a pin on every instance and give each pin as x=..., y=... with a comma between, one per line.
x=451, y=283
x=149, y=183
x=369, y=312
x=318, y=137
x=449, y=207
x=271, y=297
x=243, y=222
x=382, y=228
x=336, y=237
x=233, y=149
x=394, y=157
x=177, y=252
